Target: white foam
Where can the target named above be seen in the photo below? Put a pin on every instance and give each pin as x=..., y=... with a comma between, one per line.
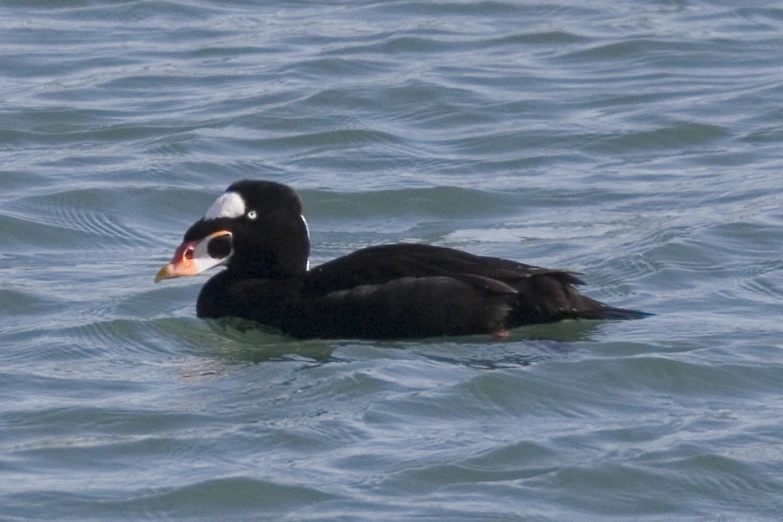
x=229, y=204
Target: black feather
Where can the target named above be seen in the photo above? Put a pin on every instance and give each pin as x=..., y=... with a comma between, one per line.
x=381, y=292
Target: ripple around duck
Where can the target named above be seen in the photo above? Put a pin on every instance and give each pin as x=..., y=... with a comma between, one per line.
x=122, y=339
x=343, y=138
x=672, y=136
x=209, y=498
x=23, y=303
x=71, y=217
x=442, y=202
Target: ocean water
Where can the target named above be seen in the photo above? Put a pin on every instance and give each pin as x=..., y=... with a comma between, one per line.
x=637, y=142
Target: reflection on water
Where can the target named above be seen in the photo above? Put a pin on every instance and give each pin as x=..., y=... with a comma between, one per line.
x=248, y=341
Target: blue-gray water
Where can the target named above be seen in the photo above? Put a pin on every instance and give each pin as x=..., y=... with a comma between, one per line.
x=638, y=142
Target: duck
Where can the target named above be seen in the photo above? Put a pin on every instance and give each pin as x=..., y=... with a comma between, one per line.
x=257, y=231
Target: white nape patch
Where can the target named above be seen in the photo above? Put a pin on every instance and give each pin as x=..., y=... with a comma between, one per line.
x=307, y=229
x=229, y=204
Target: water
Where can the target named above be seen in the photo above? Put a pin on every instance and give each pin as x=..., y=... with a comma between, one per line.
x=637, y=142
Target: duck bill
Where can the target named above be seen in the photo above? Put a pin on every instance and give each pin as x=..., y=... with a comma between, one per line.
x=193, y=257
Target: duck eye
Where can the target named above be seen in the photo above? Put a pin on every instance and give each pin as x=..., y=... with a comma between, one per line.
x=251, y=214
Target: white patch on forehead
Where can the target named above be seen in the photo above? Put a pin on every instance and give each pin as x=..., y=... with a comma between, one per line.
x=229, y=204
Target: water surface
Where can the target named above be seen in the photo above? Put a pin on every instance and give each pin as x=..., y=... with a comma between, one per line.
x=638, y=143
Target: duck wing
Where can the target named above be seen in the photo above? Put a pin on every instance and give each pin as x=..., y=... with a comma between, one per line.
x=385, y=263
x=543, y=295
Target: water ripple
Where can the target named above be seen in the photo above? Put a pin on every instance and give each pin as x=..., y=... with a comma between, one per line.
x=637, y=143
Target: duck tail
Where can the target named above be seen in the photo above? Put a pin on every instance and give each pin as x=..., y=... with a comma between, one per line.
x=619, y=314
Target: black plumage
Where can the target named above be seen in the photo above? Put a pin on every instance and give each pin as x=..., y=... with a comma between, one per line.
x=379, y=292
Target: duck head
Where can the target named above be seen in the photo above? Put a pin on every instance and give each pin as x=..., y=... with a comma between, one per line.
x=255, y=228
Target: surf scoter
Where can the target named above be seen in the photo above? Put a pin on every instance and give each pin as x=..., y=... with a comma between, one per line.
x=257, y=230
